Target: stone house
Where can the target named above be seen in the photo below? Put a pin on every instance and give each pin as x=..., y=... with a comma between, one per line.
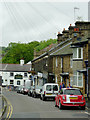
x=80, y=56
x=39, y=65
x=66, y=61
x=62, y=64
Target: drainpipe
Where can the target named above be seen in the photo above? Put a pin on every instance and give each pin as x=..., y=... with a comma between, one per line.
x=87, y=82
x=62, y=64
x=86, y=62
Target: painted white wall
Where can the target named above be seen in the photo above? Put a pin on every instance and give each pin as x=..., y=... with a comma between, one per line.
x=6, y=76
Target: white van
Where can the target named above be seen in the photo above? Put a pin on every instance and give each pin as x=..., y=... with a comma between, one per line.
x=49, y=90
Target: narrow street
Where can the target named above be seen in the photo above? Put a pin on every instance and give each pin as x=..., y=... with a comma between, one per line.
x=28, y=107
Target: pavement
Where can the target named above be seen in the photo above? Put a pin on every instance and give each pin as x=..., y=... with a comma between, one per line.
x=0, y=105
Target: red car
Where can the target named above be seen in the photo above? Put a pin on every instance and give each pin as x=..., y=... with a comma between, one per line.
x=70, y=97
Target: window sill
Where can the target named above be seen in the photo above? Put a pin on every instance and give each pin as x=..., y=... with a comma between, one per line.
x=77, y=86
x=77, y=59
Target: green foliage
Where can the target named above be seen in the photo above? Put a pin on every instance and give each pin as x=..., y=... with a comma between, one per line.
x=18, y=50
x=15, y=51
x=44, y=44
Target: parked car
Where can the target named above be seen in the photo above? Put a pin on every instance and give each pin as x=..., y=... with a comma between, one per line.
x=70, y=97
x=25, y=90
x=37, y=91
x=49, y=90
x=21, y=89
x=0, y=90
x=30, y=90
x=18, y=89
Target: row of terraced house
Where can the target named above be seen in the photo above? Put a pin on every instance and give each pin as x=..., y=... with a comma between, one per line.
x=67, y=60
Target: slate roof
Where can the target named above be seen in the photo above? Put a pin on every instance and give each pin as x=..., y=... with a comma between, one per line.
x=15, y=67
x=82, y=41
x=64, y=51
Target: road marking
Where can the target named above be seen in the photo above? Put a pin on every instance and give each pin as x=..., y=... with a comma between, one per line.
x=87, y=113
x=10, y=109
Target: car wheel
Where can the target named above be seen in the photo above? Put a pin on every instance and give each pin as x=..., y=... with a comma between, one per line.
x=83, y=107
x=40, y=98
x=55, y=103
x=43, y=98
x=60, y=105
x=30, y=94
x=34, y=95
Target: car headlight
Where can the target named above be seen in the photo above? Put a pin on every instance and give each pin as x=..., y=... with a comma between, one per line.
x=63, y=97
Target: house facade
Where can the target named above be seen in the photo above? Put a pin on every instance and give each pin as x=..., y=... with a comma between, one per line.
x=15, y=74
x=67, y=60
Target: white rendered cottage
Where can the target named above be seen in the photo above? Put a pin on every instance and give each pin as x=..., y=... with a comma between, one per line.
x=14, y=74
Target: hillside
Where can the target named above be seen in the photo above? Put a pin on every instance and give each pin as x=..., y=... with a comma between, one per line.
x=15, y=51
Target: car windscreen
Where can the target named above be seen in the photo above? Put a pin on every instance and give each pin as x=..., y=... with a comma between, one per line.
x=48, y=87
x=72, y=92
x=55, y=88
x=38, y=87
x=27, y=87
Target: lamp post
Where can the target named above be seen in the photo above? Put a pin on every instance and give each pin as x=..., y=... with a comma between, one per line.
x=86, y=62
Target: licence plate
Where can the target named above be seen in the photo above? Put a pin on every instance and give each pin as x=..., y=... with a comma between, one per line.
x=74, y=98
x=49, y=94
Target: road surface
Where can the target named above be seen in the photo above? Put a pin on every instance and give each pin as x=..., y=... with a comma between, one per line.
x=28, y=107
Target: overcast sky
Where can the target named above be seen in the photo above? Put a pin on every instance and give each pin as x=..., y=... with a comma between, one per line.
x=28, y=21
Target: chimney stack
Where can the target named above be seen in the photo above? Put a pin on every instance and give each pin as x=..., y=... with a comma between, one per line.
x=22, y=62
x=59, y=38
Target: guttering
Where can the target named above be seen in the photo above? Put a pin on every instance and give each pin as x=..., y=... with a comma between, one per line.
x=42, y=55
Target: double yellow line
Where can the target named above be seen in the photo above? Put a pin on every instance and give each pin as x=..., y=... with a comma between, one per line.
x=10, y=109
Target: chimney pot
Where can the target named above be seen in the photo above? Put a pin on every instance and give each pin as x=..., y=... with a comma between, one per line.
x=58, y=32
x=64, y=29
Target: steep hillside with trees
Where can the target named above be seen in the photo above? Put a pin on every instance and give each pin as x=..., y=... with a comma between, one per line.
x=44, y=44
x=15, y=51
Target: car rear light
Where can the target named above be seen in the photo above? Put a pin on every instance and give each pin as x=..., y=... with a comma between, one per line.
x=63, y=97
x=44, y=92
x=82, y=98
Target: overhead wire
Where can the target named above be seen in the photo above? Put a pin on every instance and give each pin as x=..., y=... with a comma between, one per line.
x=44, y=18
x=28, y=20
x=11, y=17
